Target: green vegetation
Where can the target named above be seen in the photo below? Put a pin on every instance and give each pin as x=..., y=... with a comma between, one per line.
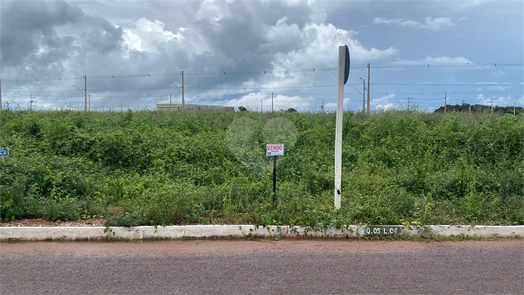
x=478, y=108
x=160, y=168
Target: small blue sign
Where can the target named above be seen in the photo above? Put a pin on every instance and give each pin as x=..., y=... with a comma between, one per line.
x=4, y=152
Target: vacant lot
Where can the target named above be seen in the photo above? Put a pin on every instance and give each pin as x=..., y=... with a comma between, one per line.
x=177, y=168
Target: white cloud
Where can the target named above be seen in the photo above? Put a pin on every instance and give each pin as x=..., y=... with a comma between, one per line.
x=439, y=23
x=434, y=24
x=147, y=34
x=498, y=73
x=332, y=106
x=493, y=86
x=440, y=60
x=386, y=102
x=211, y=9
x=497, y=100
x=132, y=40
x=318, y=41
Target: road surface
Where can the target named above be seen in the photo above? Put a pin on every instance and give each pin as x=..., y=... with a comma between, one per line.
x=263, y=267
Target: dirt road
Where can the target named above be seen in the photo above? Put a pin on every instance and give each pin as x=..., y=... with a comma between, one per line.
x=263, y=267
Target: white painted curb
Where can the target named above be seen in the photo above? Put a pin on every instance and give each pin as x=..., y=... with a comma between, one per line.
x=239, y=231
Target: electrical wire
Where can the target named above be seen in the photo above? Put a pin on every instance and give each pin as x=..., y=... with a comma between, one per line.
x=399, y=65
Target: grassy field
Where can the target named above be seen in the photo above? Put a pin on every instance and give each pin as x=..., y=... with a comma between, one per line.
x=161, y=168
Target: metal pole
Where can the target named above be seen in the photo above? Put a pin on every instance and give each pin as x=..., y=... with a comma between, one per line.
x=183, y=102
x=369, y=77
x=271, y=101
x=445, y=102
x=274, y=175
x=363, y=94
x=85, y=93
x=338, y=134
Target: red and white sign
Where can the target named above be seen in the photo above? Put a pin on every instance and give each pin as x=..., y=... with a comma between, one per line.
x=275, y=149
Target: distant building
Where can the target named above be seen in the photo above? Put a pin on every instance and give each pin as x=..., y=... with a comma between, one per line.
x=192, y=107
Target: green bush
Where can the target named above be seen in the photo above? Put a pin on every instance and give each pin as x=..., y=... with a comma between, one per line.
x=176, y=168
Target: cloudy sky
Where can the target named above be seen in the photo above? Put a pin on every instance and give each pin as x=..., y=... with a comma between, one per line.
x=243, y=52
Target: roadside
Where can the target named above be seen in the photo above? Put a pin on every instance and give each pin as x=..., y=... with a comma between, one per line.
x=94, y=229
x=38, y=222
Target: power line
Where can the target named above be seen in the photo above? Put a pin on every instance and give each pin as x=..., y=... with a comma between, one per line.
x=399, y=65
x=195, y=87
x=289, y=87
x=263, y=88
x=433, y=93
x=450, y=84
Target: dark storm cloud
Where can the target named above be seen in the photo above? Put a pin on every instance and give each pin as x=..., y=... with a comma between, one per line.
x=235, y=34
x=39, y=37
x=243, y=33
x=240, y=41
x=26, y=26
x=104, y=38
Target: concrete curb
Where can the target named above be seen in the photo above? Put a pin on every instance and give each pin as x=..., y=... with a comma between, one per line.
x=246, y=231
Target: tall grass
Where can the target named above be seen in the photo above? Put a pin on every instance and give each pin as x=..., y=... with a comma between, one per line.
x=177, y=168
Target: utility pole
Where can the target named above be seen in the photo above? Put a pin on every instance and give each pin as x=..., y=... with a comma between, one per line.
x=492, y=105
x=322, y=106
x=183, y=102
x=363, y=94
x=409, y=98
x=85, y=93
x=369, y=77
x=271, y=101
x=31, y=101
x=445, y=102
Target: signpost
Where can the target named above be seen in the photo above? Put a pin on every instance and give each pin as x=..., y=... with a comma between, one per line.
x=343, y=75
x=274, y=150
x=4, y=152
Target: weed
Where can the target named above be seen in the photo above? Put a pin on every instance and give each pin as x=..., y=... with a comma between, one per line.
x=161, y=168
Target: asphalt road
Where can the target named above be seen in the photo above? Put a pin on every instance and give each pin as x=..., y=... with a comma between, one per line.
x=263, y=267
